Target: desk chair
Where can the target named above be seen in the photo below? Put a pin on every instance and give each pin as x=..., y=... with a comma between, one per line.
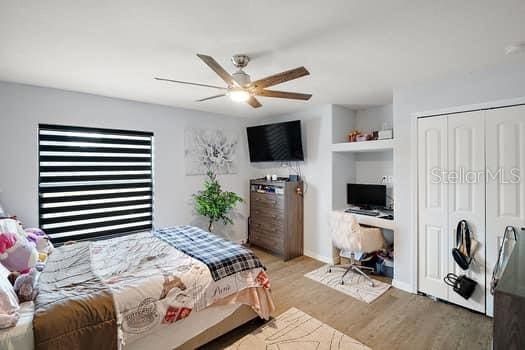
x=351, y=238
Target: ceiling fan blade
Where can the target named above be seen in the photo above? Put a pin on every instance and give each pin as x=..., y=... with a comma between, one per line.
x=280, y=78
x=252, y=101
x=210, y=98
x=284, y=94
x=216, y=67
x=188, y=83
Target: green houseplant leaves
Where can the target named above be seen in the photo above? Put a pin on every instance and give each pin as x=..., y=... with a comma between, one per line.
x=214, y=203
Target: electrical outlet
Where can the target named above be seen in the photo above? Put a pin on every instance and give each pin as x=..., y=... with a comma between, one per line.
x=386, y=179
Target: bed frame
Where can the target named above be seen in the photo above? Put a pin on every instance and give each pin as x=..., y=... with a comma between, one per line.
x=241, y=316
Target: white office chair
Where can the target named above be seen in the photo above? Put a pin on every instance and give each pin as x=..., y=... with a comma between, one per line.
x=351, y=238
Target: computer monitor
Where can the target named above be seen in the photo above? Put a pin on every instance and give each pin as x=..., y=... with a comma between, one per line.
x=366, y=196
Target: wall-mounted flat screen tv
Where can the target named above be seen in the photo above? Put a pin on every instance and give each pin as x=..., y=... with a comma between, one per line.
x=280, y=142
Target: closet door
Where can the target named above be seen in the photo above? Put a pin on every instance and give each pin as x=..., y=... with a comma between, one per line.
x=433, y=206
x=466, y=198
x=505, y=154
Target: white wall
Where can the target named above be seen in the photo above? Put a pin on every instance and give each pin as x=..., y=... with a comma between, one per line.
x=316, y=170
x=343, y=164
x=367, y=167
x=373, y=118
x=325, y=173
x=504, y=82
x=371, y=167
x=23, y=107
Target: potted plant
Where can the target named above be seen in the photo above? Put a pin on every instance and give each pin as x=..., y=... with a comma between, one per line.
x=214, y=203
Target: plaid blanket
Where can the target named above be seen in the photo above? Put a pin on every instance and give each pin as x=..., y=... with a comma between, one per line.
x=222, y=257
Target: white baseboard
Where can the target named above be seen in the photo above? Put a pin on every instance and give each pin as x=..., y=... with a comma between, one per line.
x=325, y=259
x=403, y=286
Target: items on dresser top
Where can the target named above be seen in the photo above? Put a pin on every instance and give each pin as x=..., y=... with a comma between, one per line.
x=276, y=216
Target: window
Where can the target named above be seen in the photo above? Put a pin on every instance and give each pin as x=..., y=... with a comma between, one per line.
x=94, y=182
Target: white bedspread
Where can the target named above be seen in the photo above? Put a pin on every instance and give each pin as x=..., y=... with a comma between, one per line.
x=156, y=285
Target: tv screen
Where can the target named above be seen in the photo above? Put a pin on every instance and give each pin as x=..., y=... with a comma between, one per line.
x=366, y=196
x=275, y=142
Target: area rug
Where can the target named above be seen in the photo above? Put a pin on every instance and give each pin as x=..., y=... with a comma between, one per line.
x=295, y=330
x=355, y=285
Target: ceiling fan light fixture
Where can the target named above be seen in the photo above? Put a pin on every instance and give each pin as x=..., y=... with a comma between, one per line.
x=239, y=95
x=240, y=87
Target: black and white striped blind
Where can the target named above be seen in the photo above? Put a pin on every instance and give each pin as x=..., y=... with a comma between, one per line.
x=94, y=182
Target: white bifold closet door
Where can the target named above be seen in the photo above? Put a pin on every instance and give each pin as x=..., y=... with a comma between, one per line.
x=505, y=154
x=451, y=157
x=433, y=240
x=466, y=198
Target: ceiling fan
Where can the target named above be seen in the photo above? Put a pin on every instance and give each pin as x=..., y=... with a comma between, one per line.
x=240, y=87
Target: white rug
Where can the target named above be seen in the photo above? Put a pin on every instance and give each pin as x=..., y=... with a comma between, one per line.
x=355, y=285
x=295, y=330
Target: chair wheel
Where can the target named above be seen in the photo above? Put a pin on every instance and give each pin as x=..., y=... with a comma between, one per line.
x=372, y=284
x=329, y=270
x=342, y=283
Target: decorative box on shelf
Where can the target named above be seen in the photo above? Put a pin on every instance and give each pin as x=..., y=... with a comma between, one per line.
x=385, y=134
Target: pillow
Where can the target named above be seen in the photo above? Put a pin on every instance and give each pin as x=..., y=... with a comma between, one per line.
x=8, y=301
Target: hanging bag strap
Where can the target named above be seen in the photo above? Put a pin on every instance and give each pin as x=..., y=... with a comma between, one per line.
x=450, y=279
x=509, y=230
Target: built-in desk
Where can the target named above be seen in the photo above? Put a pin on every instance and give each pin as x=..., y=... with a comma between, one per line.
x=376, y=221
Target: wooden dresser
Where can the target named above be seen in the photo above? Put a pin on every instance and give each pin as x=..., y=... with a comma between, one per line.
x=276, y=217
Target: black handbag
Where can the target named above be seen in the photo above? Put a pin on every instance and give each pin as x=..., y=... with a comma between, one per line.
x=462, y=285
x=462, y=238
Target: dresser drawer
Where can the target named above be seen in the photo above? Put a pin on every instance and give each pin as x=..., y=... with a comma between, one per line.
x=266, y=200
x=266, y=239
x=267, y=214
x=273, y=227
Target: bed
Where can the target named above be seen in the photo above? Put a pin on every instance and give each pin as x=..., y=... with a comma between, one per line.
x=172, y=288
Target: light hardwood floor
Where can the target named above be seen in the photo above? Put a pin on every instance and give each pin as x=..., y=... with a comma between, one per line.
x=397, y=320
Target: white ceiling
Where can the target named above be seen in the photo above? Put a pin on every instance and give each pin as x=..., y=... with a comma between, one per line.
x=356, y=51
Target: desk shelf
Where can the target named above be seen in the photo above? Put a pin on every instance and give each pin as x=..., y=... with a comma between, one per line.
x=364, y=146
x=375, y=221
